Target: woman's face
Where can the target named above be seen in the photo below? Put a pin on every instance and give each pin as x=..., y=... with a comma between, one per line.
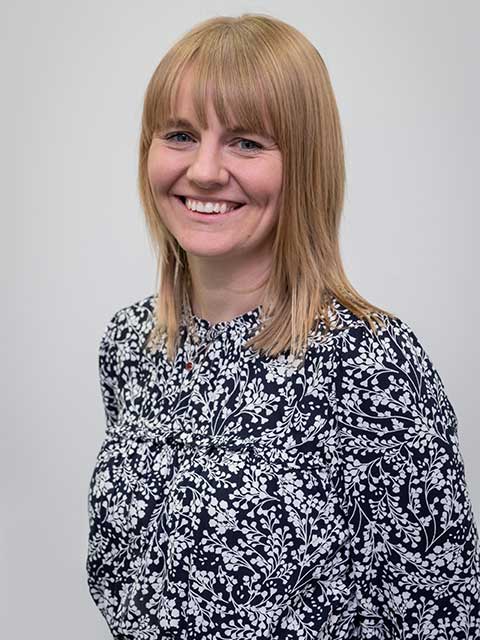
x=215, y=165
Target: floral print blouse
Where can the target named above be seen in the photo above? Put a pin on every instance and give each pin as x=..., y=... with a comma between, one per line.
x=247, y=497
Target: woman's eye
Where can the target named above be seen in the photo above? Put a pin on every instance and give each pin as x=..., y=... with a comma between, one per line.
x=255, y=148
x=171, y=136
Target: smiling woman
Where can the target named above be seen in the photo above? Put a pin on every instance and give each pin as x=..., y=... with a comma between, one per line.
x=281, y=460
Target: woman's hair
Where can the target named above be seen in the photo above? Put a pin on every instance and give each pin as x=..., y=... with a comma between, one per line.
x=268, y=78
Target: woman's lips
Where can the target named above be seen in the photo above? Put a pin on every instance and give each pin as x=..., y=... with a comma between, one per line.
x=205, y=214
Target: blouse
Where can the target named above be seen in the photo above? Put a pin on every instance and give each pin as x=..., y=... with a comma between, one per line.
x=249, y=497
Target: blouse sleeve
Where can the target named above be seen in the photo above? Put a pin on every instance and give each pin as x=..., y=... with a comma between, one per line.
x=415, y=544
x=108, y=373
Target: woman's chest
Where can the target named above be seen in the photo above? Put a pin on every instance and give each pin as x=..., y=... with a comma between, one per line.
x=230, y=485
x=235, y=396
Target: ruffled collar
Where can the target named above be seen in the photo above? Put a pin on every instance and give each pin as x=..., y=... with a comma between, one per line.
x=200, y=330
x=204, y=330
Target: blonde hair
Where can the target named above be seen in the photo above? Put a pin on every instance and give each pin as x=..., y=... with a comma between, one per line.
x=269, y=78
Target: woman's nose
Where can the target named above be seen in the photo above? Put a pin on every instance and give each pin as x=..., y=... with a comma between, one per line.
x=207, y=166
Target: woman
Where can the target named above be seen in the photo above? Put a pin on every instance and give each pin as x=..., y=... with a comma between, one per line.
x=281, y=459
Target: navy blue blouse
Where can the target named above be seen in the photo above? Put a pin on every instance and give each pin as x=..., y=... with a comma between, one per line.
x=247, y=497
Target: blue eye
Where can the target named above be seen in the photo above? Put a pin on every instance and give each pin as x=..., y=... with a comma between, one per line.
x=257, y=144
x=171, y=136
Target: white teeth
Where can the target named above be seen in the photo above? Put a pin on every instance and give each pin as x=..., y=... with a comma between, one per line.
x=208, y=207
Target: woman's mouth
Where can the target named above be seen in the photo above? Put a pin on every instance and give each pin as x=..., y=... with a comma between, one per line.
x=208, y=214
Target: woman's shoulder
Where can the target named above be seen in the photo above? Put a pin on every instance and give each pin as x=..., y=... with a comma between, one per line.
x=131, y=322
x=390, y=334
x=389, y=366
x=390, y=354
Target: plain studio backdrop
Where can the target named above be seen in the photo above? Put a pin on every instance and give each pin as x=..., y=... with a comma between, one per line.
x=75, y=248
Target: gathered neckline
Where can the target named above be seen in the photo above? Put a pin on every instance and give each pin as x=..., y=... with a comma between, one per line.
x=204, y=328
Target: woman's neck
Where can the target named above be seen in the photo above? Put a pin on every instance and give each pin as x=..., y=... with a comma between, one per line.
x=218, y=296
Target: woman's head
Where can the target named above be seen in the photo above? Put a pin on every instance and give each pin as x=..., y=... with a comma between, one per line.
x=261, y=74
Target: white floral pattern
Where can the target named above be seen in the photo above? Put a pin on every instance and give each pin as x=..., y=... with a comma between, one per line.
x=253, y=498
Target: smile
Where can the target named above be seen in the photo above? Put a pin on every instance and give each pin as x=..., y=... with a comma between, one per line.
x=207, y=209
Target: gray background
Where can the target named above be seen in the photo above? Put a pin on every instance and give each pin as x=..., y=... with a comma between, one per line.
x=75, y=248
